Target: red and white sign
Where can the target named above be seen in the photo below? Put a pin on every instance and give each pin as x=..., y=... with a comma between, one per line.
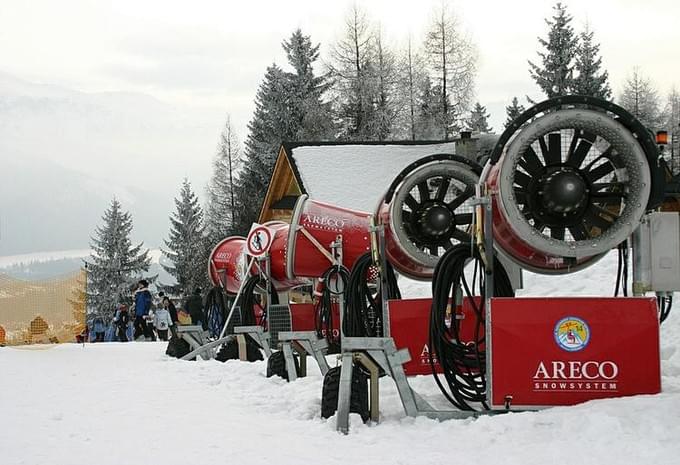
x=564, y=351
x=259, y=240
x=410, y=326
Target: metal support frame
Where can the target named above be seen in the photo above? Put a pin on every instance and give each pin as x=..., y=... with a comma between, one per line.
x=257, y=333
x=381, y=352
x=304, y=343
x=206, y=349
x=197, y=340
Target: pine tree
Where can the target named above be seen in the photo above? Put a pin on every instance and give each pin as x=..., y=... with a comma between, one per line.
x=309, y=115
x=555, y=74
x=352, y=67
x=641, y=98
x=221, y=201
x=186, y=245
x=267, y=129
x=478, y=121
x=513, y=111
x=590, y=80
x=452, y=59
x=288, y=107
x=429, y=121
x=114, y=265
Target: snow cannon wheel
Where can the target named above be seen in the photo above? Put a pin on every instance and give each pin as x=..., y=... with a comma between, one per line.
x=229, y=351
x=177, y=347
x=276, y=365
x=358, y=396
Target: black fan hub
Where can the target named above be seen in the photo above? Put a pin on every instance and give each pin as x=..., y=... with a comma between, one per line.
x=563, y=192
x=436, y=220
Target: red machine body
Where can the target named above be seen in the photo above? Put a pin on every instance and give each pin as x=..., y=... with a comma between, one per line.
x=279, y=255
x=409, y=327
x=226, y=262
x=303, y=318
x=324, y=222
x=563, y=351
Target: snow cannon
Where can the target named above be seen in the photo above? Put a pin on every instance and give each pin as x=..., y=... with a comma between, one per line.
x=569, y=180
x=228, y=261
x=314, y=227
x=426, y=210
x=226, y=264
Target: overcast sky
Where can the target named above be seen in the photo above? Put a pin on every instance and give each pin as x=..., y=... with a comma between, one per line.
x=213, y=53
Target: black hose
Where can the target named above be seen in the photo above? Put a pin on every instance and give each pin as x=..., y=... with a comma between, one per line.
x=363, y=309
x=622, y=270
x=463, y=363
x=250, y=298
x=665, y=304
x=333, y=282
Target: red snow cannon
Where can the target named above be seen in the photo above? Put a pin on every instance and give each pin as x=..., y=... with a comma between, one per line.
x=570, y=180
x=228, y=261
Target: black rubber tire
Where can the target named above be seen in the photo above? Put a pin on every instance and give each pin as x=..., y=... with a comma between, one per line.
x=178, y=347
x=276, y=365
x=358, y=397
x=229, y=351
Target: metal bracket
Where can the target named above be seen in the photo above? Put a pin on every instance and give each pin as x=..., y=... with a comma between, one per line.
x=256, y=332
x=197, y=340
x=383, y=353
x=304, y=343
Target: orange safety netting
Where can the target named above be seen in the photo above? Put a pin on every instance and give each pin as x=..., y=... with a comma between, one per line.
x=46, y=311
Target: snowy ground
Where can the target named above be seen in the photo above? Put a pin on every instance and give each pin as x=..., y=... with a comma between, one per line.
x=130, y=404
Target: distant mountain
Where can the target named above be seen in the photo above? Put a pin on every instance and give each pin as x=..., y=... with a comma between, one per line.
x=64, y=154
x=40, y=266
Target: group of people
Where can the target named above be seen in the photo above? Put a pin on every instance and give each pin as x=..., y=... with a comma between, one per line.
x=154, y=323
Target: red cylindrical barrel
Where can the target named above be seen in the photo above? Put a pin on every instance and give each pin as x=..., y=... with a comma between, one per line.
x=278, y=254
x=314, y=227
x=226, y=263
x=402, y=261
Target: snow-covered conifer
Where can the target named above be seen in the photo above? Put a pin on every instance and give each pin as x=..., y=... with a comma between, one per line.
x=512, y=111
x=554, y=75
x=590, y=79
x=479, y=119
x=221, y=201
x=114, y=265
x=186, y=246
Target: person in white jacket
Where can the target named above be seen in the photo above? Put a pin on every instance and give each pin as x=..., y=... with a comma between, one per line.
x=162, y=322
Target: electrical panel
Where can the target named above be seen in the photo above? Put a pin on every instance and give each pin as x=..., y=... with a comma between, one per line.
x=657, y=253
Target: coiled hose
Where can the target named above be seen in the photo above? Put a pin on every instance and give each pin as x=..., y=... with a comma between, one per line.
x=363, y=309
x=463, y=363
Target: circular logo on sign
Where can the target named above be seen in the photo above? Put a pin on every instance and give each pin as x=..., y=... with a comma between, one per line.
x=572, y=334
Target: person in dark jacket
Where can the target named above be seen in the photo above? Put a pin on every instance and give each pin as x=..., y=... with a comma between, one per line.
x=172, y=310
x=194, y=305
x=121, y=320
x=142, y=307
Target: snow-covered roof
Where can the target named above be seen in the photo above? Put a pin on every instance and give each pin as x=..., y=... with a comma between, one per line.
x=356, y=175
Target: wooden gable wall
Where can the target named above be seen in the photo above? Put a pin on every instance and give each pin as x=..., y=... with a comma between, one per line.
x=283, y=188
